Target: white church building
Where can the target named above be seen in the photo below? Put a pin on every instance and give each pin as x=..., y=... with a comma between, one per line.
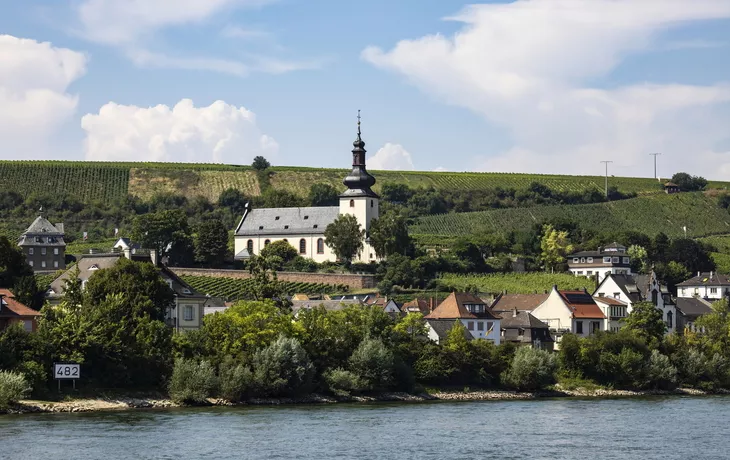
x=303, y=228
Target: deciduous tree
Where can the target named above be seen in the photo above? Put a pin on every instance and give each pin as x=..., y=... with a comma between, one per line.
x=646, y=321
x=345, y=237
x=554, y=245
x=167, y=232
x=211, y=243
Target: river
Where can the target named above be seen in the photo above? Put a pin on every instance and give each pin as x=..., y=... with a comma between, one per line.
x=647, y=428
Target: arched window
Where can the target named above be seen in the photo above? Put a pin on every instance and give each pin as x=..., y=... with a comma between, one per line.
x=266, y=243
x=249, y=247
x=320, y=246
x=670, y=319
x=302, y=246
x=352, y=203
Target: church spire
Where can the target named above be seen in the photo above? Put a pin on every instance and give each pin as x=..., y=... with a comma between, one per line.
x=359, y=181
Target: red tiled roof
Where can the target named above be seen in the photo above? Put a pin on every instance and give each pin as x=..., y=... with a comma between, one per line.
x=581, y=304
x=11, y=308
x=453, y=307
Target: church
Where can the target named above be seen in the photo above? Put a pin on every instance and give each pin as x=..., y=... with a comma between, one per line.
x=303, y=228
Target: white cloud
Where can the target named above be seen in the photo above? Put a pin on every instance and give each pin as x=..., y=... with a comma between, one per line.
x=34, y=98
x=219, y=133
x=391, y=156
x=244, y=33
x=527, y=66
x=144, y=58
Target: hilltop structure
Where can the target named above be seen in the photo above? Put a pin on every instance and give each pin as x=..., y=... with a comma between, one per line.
x=304, y=228
x=43, y=245
x=608, y=259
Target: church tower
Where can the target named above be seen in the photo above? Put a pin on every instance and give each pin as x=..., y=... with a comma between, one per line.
x=359, y=199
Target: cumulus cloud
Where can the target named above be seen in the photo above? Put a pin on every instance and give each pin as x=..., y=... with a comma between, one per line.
x=34, y=97
x=391, y=156
x=527, y=66
x=219, y=133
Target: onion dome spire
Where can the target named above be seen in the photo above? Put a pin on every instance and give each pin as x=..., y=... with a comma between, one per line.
x=359, y=181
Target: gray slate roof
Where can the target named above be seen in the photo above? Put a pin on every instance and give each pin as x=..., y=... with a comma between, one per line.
x=442, y=327
x=42, y=226
x=287, y=221
x=42, y=233
x=88, y=265
x=523, y=320
x=707, y=279
x=692, y=307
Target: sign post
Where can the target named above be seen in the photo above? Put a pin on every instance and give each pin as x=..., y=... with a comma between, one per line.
x=66, y=371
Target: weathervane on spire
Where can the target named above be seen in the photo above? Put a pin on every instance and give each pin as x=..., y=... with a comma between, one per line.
x=358, y=122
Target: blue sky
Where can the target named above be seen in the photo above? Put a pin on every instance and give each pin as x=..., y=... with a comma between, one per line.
x=527, y=86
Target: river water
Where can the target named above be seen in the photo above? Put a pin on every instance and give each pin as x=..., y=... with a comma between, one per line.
x=661, y=428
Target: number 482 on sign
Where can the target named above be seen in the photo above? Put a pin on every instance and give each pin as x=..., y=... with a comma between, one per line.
x=66, y=371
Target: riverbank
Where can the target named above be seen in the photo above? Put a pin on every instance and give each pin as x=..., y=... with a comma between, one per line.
x=156, y=402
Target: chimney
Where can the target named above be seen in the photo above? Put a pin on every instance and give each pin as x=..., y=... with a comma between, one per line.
x=430, y=304
x=711, y=274
x=698, y=274
x=153, y=257
x=514, y=312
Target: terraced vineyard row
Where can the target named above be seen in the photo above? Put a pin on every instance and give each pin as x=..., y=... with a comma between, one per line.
x=514, y=283
x=235, y=289
x=647, y=214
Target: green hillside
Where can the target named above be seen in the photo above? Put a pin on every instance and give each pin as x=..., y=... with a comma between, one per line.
x=646, y=214
x=107, y=180
x=514, y=283
x=236, y=289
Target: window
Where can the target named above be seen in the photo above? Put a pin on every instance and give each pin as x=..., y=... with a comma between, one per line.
x=372, y=203
x=267, y=242
x=670, y=319
x=371, y=255
x=626, y=260
x=28, y=326
x=43, y=263
x=595, y=326
x=302, y=246
x=320, y=246
x=489, y=325
x=607, y=260
x=30, y=251
x=616, y=295
x=306, y=217
x=590, y=260
x=683, y=291
x=352, y=203
x=713, y=290
x=249, y=247
x=286, y=227
x=43, y=251
x=314, y=226
x=582, y=260
x=579, y=272
x=654, y=297
x=576, y=260
x=480, y=326
x=188, y=313
x=55, y=264
x=589, y=272
x=615, y=260
x=601, y=294
x=55, y=251
x=30, y=262
x=579, y=327
x=697, y=291
x=261, y=227
x=470, y=325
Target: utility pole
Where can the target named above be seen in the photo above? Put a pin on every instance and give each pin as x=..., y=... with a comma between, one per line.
x=655, y=155
x=606, y=162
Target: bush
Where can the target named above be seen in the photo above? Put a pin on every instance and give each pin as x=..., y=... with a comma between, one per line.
x=531, y=369
x=283, y=369
x=13, y=387
x=192, y=382
x=374, y=363
x=660, y=372
x=236, y=380
x=343, y=382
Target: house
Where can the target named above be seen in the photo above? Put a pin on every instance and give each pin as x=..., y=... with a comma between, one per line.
x=124, y=244
x=421, y=306
x=478, y=319
x=570, y=311
x=184, y=314
x=304, y=228
x=523, y=329
x=614, y=309
x=520, y=302
x=713, y=286
x=689, y=309
x=640, y=288
x=12, y=312
x=43, y=245
x=671, y=187
x=608, y=259
x=388, y=305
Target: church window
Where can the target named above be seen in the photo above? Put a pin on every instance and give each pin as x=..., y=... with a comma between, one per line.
x=352, y=203
x=320, y=246
x=302, y=246
x=266, y=243
x=249, y=247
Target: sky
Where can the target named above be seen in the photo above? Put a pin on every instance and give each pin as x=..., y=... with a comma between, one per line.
x=539, y=86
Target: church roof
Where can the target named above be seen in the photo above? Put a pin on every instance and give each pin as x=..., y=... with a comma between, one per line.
x=287, y=221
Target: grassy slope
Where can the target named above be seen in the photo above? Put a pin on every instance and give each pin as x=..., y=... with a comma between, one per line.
x=515, y=283
x=647, y=214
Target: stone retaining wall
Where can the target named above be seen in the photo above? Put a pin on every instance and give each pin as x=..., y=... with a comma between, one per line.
x=353, y=281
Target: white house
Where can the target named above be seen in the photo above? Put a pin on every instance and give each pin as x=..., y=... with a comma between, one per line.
x=614, y=309
x=608, y=259
x=570, y=311
x=478, y=319
x=304, y=228
x=713, y=286
x=640, y=288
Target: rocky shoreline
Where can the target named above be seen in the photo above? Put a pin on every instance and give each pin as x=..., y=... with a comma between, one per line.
x=126, y=403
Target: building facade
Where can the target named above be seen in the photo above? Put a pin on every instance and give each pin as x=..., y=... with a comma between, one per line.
x=43, y=245
x=478, y=319
x=303, y=228
x=609, y=259
x=711, y=286
x=570, y=311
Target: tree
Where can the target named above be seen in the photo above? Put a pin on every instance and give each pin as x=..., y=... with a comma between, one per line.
x=264, y=283
x=282, y=250
x=412, y=325
x=233, y=199
x=554, y=245
x=283, y=369
x=345, y=237
x=661, y=246
x=12, y=264
x=639, y=259
x=321, y=194
x=260, y=163
x=166, y=232
x=646, y=321
x=396, y=193
x=211, y=243
x=692, y=254
x=672, y=273
x=373, y=363
x=389, y=235
x=27, y=292
x=689, y=183
x=530, y=369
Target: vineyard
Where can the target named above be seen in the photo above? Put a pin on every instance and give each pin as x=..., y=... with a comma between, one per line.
x=110, y=180
x=514, y=283
x=235, y=289
x=648, y=214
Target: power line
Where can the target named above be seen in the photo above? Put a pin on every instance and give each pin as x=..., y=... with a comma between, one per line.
x=606, y=162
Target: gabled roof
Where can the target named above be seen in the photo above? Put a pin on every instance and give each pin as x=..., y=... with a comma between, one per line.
x=287, y=221
x=453, y=307
x=87, y=265
x=42, y=226
x=627, y=285
x=12, y=308
x=416, y=306
x=521, y=319
x=707, y=279
x=693, y=307
x=520, y=302
x=610, y=301
x=442, y=327
x=581, y=304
